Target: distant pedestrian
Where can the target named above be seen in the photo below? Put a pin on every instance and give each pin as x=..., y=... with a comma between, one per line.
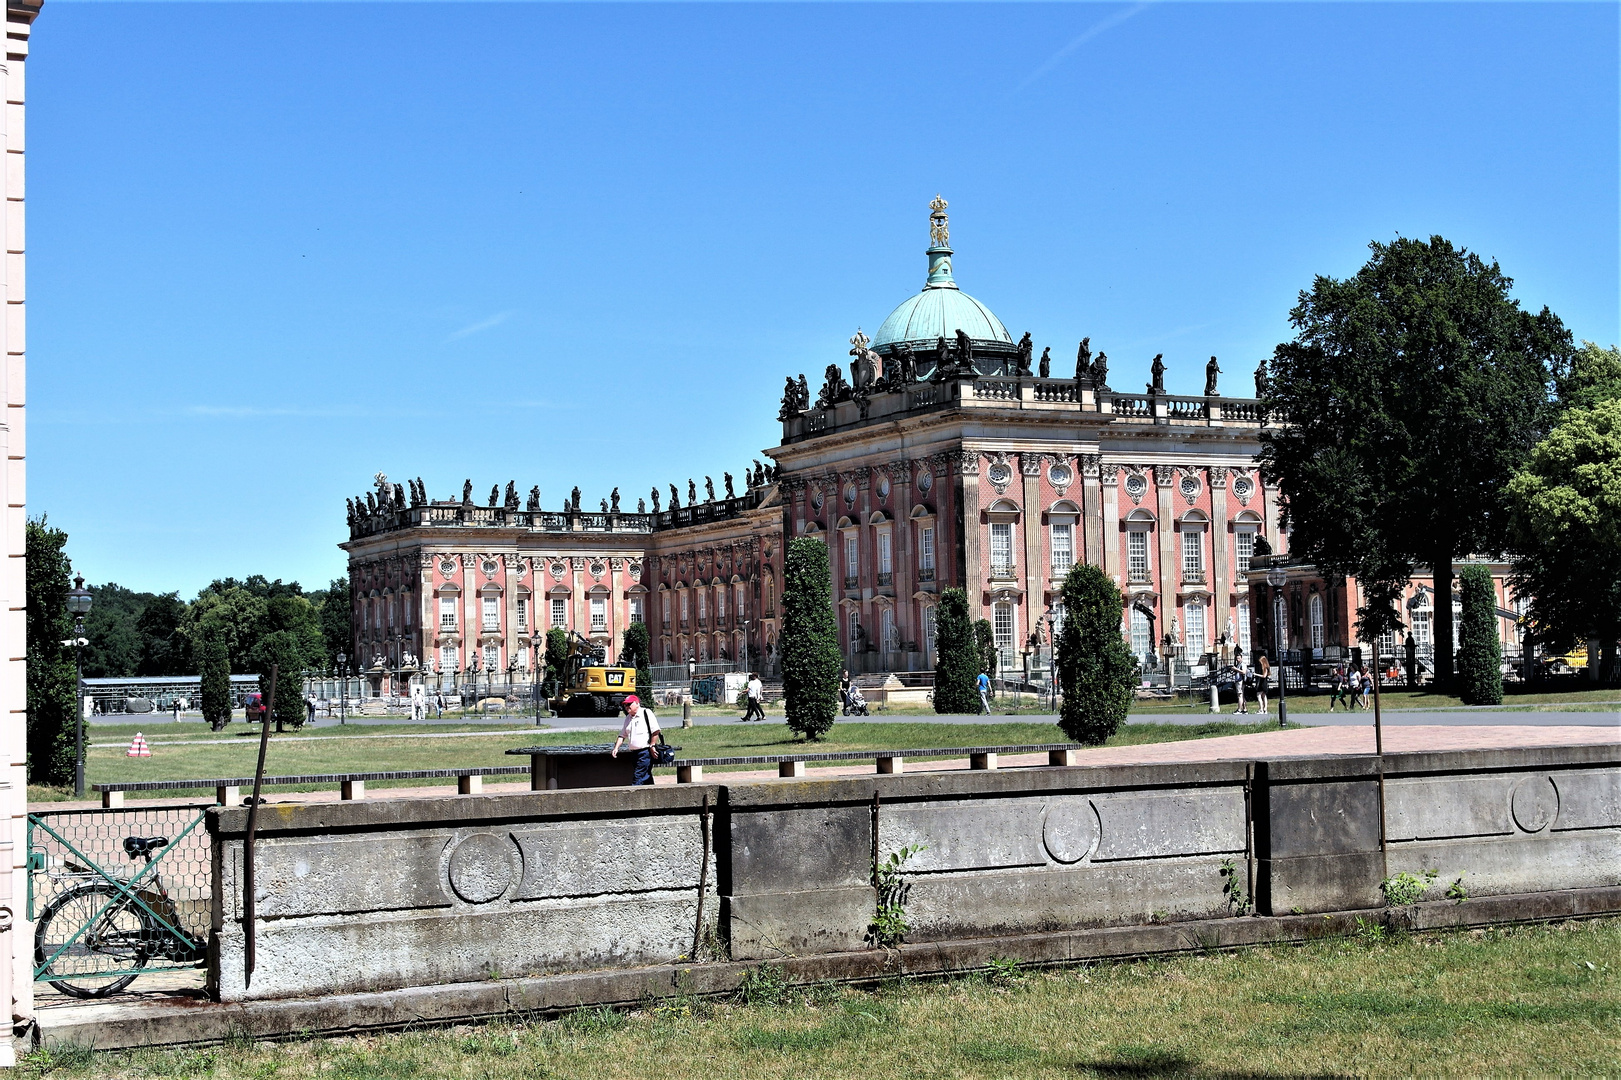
x=176, y=707
x=1243, y=675
x=439, y=704
x=309, y=711
x=754, y=692
x=984, y=684
x=637, y=735
x=844, y=692
x=1355, y=687
x=1337, y=685
x=1263, y=669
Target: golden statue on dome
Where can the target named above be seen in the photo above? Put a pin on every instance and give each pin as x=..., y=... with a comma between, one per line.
x=938, y=236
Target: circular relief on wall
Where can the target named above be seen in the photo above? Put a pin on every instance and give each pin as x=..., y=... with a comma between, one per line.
x=1060, y=475
x=558, y=569
x=1535, y=803
x=1243, y=486
x=883, y=487
x=1000, y=473
x=482, y=867
x=447, y=566
x=925, y=481
x=1136, y=486
x=849, y=494
x=1070, y=830
x=816, y=501
x=596, y=569
x=1190, y=486
x=635, y=571
x=489, y=567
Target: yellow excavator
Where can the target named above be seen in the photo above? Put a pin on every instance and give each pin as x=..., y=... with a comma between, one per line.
x=589, y=686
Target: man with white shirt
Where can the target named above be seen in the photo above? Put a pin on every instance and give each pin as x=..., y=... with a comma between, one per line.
x=636, y=735
x=755, y=691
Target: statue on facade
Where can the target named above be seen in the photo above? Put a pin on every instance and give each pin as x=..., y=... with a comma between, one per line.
x=1022, y=357
x=1083, y=362
x=1175, y=636
x=574, y=499
x=641, y=505
x=1046, y=368
x=675, y=499
x=613, y=499
x=349, y=511
x=709, y=489
x=1100, y=372
x=1263, y=385
x=963, y=355
x=755, y=474
x=905, y=365
x=942, y=361
x=467, y=493
x=604, y=506
x=495, y=494
x=1157, y=369
x=867, y=367
x=655, y=500
x=804, y=393
x=399, y=496
x=1211, y=370
x=371, y=503
x=534, y=498
x=692, y=492
x=790, y=400
x=511, y=500
x=727, y=478
x=834, y=388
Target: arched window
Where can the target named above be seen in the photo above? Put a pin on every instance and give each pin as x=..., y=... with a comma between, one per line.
x=1002, y=630
x=1142, y=637
x=886, y=630
x=1316, y=606
x=928, y=633
x=1193, y=634
x=853, y=628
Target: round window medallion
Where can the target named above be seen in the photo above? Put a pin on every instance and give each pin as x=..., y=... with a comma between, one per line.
x=596, y=569
x=1000, y=473
x=1060, y=475
x=1136, y=486
x=447, y=566
x=883, y=487
x=849, y=494
x=1190, y=486
x=489, y=567
x=816, y=501
x=1242, y=487
x=558, y=569
x=925, y=481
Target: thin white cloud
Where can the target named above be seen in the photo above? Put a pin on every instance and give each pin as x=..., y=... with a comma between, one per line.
x=482, y=325
x=233, y=411
x=1058, y=57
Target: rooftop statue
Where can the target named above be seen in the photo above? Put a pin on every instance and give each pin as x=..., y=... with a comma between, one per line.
x=511, y=500
x=655, y=500
x=641, y=505
x=467, y=493
x=371, y=503
x=1046, y=367
x=495, y=494
x=614, y=499
x=604, y=506
x=1158, y=371
x=905, y=364
x=1022, y=361
x=868, y=366
x=730, y=494
x=939, y=235
x=963, y=355
x=709, y=488
x=1083, y=362
x=692, y=492
x=1100, y=372
x=574, y=499
x=1263, y=385
x=349, y=510
x=804, y=393
x=1211, y=370
x=790, y=400
x=675, y=499
x=534, y=498
x=834, y=389
x=399, y=497
x=942, y=361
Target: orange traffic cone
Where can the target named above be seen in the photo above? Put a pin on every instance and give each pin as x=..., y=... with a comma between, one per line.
x=138, y=747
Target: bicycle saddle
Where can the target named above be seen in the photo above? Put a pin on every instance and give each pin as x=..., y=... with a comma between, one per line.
x=137, y=847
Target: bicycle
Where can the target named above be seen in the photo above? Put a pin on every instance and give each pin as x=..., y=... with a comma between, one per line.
x=90, y=925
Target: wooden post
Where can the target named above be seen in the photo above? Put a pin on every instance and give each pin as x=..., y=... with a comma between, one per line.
x=891, y=764
x=227, y=794
x=790, y=768
x=982, y=761
x=1060, y=757
x=470, y=785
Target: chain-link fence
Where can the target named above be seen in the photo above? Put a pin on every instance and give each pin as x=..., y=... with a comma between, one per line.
x=117, y=892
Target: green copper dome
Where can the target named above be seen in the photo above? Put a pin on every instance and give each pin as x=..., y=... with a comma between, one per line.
x=941, y=309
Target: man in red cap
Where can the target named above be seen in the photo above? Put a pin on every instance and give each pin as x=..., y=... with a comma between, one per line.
x=637, y=735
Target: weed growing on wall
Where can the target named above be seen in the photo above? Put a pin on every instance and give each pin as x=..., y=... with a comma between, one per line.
x=1239, y=900
x=1404, y=888
x=889, y=927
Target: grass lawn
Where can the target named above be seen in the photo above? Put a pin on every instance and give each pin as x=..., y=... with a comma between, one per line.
x=373, y=749
x=1515, y=1001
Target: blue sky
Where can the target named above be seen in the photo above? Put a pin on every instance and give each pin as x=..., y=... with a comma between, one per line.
x=274, y=249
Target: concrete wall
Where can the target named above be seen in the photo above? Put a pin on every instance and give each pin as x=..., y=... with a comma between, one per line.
x=373, y=896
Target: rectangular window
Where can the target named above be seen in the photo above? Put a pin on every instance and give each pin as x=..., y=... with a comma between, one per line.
x=447, y=658
x=852, y=560
x=742, y=605
x=599, y=614
x=1421, y=629
x=388, y=603
x=1142, y=637
x=1193, y=635
x=1057, y=627
x=684, y=608
x=928, y=631
x=666, y=607
x=1137, y=556
x=885, y=569
x=559, y=612
x=720, y=604
x=1244, y=626
x=492, y=613
x=925, y=554
x=492, y=658
x=1002, y=626
x=1192, y=555
x=523, y=614
x=886, y=630
x=703, y=604
x=1063, y=548
x=1001, y=547
x=853, y=622
x=1317, y=636
x=1244, y=547
x=635, y=609
x=447, y=613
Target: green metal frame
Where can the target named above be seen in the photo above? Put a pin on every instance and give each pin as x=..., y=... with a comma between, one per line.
x=127, y=894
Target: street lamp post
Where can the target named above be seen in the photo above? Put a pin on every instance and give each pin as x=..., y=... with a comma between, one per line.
x=79, y=601
x=343, y=690
x=1277, y=577
x=1052, y=655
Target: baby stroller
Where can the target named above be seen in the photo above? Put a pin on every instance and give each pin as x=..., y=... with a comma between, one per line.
x=858, y=704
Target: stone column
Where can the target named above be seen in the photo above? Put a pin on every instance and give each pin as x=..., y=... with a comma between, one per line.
x=1168, y=575
x=577, y=597
x=1030, y=470
x=471, y=625
x=1092, y=518
x=900, y=480
x=512, y=568
x=1109, y=482
x=971, y=572
x=1221, y=576
x=1269, y=514
x=616, y=597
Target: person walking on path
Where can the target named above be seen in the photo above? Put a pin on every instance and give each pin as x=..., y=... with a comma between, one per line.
x=984, y=683
x=1243, y=675
x=177, y=710
x=309, y=711
x=754, y=691
x=1336, y=688
x=637, y=735
x=439, y=703
x=844, y=692
x=1263, y=667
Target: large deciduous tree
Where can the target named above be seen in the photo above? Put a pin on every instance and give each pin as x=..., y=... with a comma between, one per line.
x=956, y=656
x=1409, y=395
x=1565, y=522
x=337, y=611
x=52, y=690
x=281, y=649
x=637, y=652
x=810, y=641
x=214, y=665
x=1096, y=669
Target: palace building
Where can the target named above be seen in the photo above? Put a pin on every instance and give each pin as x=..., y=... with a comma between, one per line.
x=948, y=457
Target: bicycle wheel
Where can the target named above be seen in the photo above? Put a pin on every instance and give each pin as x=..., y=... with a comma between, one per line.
x=82, y=941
